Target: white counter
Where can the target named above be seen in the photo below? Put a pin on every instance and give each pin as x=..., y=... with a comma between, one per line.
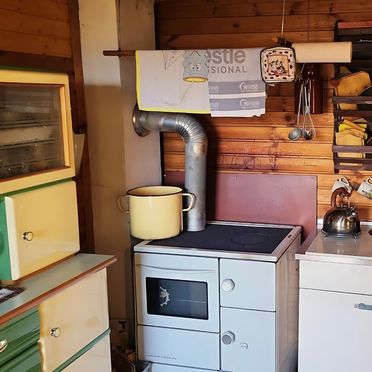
x=340, y=249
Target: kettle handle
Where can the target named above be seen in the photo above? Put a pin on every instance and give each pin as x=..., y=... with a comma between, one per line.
x=339, y=191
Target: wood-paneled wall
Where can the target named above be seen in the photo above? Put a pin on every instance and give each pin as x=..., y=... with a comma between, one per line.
x=260, y=144
x=40, y=27
x=45, y=35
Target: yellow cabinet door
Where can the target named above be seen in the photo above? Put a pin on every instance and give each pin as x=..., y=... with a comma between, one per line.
x=96, y=359
x=42, y=227
x=72, y=319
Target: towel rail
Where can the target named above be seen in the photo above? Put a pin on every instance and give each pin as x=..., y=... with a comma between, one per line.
x=119, y=53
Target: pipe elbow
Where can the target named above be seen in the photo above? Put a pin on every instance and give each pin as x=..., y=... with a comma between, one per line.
x=187, y=127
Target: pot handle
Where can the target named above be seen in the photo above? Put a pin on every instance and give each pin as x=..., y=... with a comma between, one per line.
x=120, y=206
x=192, y=201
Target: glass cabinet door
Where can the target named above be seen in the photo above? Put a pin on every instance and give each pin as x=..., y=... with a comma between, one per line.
x=35, y=130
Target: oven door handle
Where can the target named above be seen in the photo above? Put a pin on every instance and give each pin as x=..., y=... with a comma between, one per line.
x=176, y=270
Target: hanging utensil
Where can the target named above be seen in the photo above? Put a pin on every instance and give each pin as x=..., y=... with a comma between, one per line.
x=308, y=130
x=296, y=133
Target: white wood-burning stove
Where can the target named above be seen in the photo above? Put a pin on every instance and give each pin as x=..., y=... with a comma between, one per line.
x=221, y=299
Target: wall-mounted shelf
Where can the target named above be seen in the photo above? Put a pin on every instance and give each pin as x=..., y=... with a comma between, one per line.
x=351, y=157
x=352, y=162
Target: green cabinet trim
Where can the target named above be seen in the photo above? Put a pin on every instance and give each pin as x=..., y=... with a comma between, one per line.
x=28, y=361
x=21, y=333
x=5, y=267
x=36, y=187
x=82, y=351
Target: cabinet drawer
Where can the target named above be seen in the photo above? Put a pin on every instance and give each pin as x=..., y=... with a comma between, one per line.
x=178, y=346
x=40, y=227
x=337, y=277
x=247, y=340
x=72, y=319
x=18, y=335
x=28, y=361
x=96, y=359
x=247, y=284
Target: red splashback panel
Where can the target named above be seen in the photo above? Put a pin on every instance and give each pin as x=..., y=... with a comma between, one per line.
x=262, y=198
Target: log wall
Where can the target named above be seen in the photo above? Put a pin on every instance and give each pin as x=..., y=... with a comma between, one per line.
x=260, y=144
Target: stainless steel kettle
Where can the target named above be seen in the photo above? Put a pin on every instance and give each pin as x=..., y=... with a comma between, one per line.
x=341, y=220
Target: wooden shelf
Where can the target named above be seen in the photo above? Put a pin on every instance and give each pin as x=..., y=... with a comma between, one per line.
x=358, y=33
x=352, y=162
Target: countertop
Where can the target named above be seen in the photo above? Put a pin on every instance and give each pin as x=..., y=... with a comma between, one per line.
x=340, y=249
x=52, y=280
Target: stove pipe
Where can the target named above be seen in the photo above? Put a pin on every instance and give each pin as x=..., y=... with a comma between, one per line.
x=195, y=155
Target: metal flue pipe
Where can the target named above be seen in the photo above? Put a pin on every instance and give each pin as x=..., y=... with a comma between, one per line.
x=195, y=155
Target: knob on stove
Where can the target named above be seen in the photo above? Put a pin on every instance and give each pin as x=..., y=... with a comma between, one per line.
x=227, y=285
x=228, y=338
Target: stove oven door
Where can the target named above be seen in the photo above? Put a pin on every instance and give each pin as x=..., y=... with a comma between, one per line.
x=177, y=291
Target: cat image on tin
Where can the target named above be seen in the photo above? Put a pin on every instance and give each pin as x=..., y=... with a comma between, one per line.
x=195, y=66
x=278, y=65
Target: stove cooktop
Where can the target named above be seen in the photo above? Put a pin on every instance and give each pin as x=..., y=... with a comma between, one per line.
x=232, y=238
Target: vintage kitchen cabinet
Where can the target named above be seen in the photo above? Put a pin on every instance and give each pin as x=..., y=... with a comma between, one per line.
x=37, y=227
x=70, y=299
x=18, y=343
x=38, y=204
x=36, y=141
x=335, y=306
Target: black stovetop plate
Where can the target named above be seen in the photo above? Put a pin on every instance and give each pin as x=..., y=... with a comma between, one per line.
x=229, y=238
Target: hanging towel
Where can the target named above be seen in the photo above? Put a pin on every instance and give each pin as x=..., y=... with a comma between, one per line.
x=223, y=82
x=235, y=84
x=162, y=84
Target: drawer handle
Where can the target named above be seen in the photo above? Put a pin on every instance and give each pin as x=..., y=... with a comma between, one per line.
x=363, y=306
x=55, y=332
x=3, y=345
x=28, y=235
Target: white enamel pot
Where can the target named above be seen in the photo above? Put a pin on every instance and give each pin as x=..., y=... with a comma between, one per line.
x=156, y=212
